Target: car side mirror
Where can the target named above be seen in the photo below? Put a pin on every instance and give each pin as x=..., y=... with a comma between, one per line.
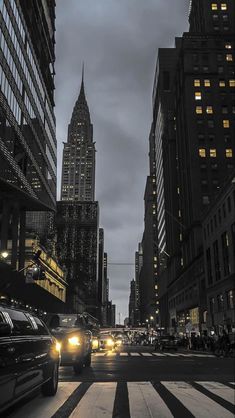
x=5, y=330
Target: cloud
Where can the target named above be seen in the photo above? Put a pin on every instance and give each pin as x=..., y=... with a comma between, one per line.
x=118, y=40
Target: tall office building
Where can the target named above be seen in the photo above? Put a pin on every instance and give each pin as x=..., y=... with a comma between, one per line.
x=201, y=97
x=27, y=121
x=78, y=171
x=148, y=275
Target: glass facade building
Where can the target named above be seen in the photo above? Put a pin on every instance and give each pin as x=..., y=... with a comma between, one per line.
x=27, y=120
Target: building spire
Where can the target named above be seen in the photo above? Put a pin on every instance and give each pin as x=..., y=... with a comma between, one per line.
x=82, y=90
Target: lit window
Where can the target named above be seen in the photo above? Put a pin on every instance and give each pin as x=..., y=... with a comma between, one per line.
x=229, y=153
x=197, y=83
x=209, y=109
x=223, y=6
x=229, y=57
x=222, y=83
x=213, y=152
x=202, y=152
x=207, y=83
x=226, y=123
x=228, y=46
x=231, y=83
x=214, y=6
x=198, y=95
x=199, y=109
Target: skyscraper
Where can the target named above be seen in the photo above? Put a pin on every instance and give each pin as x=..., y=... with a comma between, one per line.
x=200, y=100
x=27, y=121
x=78, y=214
x=78, y=171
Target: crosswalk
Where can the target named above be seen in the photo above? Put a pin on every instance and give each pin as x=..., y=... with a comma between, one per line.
x=164, y=399
x=114, y=354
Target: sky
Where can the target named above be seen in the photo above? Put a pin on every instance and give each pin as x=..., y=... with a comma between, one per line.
x=118, y=41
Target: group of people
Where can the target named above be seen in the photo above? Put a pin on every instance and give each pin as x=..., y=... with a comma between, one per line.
x=216, y=344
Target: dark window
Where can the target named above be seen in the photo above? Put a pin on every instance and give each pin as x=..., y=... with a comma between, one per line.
x=215, y=221
x=219, y=213
x=224, y=211
x=225, y=253
x=210, y=124
x=212, y=305
x=216, y=260
x=166, y=80
x=208, y=264
x=22, y=326
x=220, y=302
x=230, y=299
x=229, y=204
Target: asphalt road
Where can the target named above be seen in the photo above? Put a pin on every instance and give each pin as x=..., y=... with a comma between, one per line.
x=136, y=382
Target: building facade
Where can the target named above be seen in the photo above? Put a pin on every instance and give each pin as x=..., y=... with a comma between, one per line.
x=78, y=166
x=77, y=246
x=219, y=259
x=148, y=275
x=27, y=120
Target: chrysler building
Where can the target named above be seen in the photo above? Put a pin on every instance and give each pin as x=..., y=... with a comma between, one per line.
x=78, y=168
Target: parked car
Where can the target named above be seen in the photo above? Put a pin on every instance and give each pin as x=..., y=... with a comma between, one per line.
x=166, y=342
x=74, y=337
x=29, y=356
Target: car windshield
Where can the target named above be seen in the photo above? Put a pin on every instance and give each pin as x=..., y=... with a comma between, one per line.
x=66, y=321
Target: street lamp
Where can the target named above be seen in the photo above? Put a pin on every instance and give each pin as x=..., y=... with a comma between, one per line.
x=4, y=254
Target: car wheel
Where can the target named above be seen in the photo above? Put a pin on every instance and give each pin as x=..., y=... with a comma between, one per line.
x=77, y=367
x=87, y=362
x=50, y=387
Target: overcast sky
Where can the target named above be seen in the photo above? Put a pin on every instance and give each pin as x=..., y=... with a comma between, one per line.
x=118, y=40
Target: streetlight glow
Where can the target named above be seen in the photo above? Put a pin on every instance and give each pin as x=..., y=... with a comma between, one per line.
x=4, y=254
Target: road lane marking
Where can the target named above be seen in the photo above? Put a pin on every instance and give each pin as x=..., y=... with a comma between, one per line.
x=220, y=390
x=110, y=353
x=200, y=405
x=232, y=383
x=159, y=354
x=123, y=354
x=146, y=354
x=135, y=354
x=99, y=354
x=97, y=402
x=145, y=402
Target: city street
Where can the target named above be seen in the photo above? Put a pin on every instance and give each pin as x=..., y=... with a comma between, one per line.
x=138, y=382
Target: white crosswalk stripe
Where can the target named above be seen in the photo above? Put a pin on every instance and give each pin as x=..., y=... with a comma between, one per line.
x=145, y=400
x=97, y=402
x=200, y=405
x=219, y=389
x=152, y=354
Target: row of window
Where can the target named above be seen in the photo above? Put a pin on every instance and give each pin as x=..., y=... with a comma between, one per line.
x=220, y=69
x=207, y=83
x=39, y=100
x=221, y=214
x=217, y=6
x=220, y=247
x=209, y=110
x=11, y=99
x=219, y=304
x=212, y=152
x=211, y=123
x=202, y=138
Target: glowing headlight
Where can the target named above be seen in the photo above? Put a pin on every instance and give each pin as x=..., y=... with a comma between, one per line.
x=119, y=342
x=74, y=341
x=110, y=342
x=95, y=344
x=58, y=346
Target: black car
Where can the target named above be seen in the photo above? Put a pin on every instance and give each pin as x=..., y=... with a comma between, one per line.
x=29, y=356
x=166, y=342
x=75, y=339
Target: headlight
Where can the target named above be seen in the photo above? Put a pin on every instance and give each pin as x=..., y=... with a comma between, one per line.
x=58, y=346
x=119, y=342
x=110, y=342
x=74, y=341
x=95, y=344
